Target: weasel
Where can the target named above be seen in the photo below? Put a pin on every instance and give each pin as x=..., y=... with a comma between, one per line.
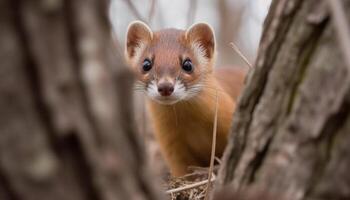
x=174, y=68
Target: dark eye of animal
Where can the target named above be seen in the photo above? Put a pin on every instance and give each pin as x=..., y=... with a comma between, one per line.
x=187, y=66
x=146, y=65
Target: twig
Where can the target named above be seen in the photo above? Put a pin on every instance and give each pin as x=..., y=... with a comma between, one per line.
x=218, y=160
x=190, y=186
x=236, y=49
x=341, y=27
x=213, y=145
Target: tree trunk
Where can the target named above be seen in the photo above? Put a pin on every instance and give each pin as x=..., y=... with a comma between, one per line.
x=231, y=15
x=66, y=125
x=291, y=129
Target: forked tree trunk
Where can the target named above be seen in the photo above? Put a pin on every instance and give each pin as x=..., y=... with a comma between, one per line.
x=291, y=130
x=66, y=125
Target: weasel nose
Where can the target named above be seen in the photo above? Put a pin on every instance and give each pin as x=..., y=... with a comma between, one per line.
x=165, y=89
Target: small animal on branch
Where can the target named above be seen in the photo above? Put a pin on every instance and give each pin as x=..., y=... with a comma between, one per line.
x=175, y=69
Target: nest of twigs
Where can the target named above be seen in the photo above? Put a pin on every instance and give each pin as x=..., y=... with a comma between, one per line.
x=192, y=186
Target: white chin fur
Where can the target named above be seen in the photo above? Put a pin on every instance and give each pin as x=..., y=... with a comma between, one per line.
x=166, y=101
x=179, y=93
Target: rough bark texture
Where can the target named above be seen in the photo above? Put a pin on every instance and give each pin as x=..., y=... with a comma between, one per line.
x=66, y=129
x=291, y=130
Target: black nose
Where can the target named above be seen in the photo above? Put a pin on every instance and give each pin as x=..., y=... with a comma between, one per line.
x=165, y=89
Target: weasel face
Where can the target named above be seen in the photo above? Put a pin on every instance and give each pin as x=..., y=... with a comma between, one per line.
x=170, y=65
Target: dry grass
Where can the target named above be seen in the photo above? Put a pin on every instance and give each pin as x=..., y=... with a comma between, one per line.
x=241, y=55
x=213, y=145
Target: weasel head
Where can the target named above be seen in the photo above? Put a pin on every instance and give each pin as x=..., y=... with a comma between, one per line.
x=170, y=65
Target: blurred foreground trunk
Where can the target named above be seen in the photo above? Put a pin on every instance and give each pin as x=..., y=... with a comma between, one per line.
x=66, y=125
x=291, y=130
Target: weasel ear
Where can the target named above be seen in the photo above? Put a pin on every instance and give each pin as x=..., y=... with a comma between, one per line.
x=202, y=39
x=138, y=35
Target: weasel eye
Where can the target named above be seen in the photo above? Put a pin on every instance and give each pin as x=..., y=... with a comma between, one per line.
x=146, y=65
x=187, y=66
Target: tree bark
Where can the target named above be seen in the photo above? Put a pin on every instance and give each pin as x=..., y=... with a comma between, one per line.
x=291, y=129
x=66, y=124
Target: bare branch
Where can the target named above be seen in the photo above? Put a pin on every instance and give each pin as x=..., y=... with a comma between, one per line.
x=134, y=10
x=191, y=13
x=151, y=11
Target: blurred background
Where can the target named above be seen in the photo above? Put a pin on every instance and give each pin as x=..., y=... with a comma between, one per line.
x=237, y=21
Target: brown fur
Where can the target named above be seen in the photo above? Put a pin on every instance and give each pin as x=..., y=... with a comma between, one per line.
x=184, y=129
x=231, y=79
